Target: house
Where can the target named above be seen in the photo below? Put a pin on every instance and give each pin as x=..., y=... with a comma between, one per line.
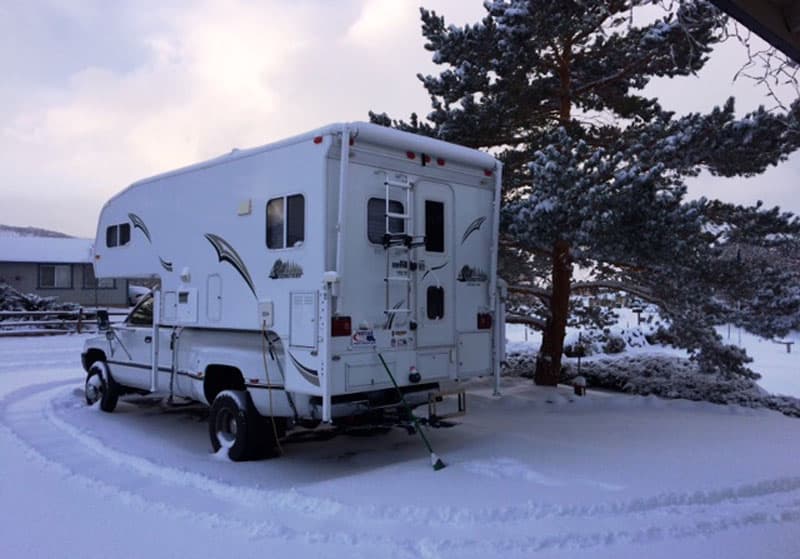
x=58, y=267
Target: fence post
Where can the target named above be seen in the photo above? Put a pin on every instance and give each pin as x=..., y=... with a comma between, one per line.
x=80, y=317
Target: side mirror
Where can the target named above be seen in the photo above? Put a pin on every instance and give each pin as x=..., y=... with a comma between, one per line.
x=103, y=323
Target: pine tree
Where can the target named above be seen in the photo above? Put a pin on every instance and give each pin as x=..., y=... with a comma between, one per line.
x=594, y=170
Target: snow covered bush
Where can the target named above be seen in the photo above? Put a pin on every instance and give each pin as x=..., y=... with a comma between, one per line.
x=614, y=344
x=13, y=300
x=663, y=376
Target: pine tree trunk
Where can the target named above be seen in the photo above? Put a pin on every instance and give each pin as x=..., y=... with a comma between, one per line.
x=548, y=362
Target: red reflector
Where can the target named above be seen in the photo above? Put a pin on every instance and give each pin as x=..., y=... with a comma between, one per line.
x=440, y=161
x=411, y=155
x=487, y=172
x=317, y=139
x=341, y=326
x=484, y=321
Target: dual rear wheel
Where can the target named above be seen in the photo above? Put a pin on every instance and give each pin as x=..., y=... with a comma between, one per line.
x=237, y=429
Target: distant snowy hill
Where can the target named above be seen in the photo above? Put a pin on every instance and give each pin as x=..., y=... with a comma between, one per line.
x=12, y=231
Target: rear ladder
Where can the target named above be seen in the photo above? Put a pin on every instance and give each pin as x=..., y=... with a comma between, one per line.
x=398, y=247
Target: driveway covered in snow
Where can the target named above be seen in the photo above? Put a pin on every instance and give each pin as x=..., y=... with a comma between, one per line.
x=536, y=472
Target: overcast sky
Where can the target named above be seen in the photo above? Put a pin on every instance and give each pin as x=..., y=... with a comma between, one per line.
x=97, y=94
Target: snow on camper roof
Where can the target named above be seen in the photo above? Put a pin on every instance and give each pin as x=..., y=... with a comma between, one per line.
x=365, y=131
x=45, y=249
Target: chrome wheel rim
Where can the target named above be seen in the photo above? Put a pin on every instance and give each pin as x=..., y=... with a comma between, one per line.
x=94, y=388
x=226, y=427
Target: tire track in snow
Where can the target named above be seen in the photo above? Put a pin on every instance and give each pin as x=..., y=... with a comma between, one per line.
x=252, y=530
x=739, y=507
x=294, y=501
x=27, y=365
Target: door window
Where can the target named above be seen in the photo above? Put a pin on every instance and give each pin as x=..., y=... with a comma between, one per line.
x=142, y=315
x=434, y=226
x=435, y=302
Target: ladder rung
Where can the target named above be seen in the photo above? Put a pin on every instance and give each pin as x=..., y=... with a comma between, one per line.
x=396, y=240
x=397, y=184
x=394, y=311
x=396, y=278
x=398, y=216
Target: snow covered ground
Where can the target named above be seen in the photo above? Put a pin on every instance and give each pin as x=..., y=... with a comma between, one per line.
x=534, y=473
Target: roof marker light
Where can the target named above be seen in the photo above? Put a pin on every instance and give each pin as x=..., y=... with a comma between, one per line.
x=487, y=172
x=411, y=155
x=440, y=161
x=317, y=139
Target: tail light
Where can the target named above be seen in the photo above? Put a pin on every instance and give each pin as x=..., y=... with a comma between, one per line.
x=341, y=326
x=484, y=321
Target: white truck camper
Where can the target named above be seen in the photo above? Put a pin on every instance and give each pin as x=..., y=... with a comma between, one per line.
x=289, y=272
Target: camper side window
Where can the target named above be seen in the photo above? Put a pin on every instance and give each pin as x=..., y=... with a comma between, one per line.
x=118, y=235
x=376, y=219
x=286, y=221
x=111, y=236
x=124, y=234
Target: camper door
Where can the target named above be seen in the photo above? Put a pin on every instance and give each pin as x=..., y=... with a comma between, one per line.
x=434, y=220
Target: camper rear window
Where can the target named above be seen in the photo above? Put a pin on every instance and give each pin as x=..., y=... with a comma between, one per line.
x=286, y=221
x=376, y=219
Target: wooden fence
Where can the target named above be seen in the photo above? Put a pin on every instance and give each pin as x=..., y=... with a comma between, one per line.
x=43, y=323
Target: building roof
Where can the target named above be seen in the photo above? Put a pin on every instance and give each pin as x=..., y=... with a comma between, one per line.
x=45, y=249
x=776, y=21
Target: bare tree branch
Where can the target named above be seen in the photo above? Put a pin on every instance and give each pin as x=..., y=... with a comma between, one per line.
x=637, y=290
x=543, y=294
x=522, y=319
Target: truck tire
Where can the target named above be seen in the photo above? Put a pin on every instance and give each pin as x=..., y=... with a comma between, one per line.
x=101, y=387
x=232, y=425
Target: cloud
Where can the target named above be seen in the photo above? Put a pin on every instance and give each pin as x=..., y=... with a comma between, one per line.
x=206, y=83
x=122, y=93
x=100, y=94
x=381, y=20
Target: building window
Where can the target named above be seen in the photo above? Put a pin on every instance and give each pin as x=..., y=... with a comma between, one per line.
x=376, y=219
x=118, y=235
x=55, y=276
x=90, y=282
x=434, y=226
x=286, y=221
